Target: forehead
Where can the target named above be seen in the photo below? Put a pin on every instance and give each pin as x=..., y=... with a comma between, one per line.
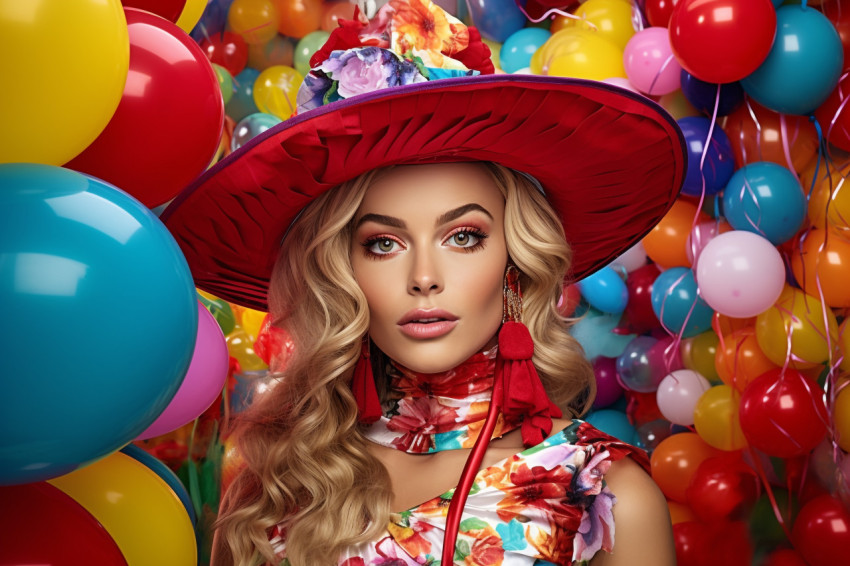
x=433, y=187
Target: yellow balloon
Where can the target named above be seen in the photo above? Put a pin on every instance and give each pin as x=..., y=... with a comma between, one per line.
x=495, y=49
x=241, y=347
x=276, y=89
x=841, y=416
x=698, y=354
x=612, y=19
x=830, y=197
x=578, y=53
x=137, y=508
x=677, y=105
x=251, y=321
x=801, y=317
x=255, y=20
x=191, y=14
x=716, y=418
x=63, y=67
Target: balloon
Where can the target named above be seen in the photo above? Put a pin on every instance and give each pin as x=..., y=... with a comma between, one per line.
x=610, y=19
x=704, y=96
x=644, y=363
x=203, y=382
x=569, y=300
x=298, y=17
x=675, y=461
x=829, y=197
x=168, y=9
x=496, y=19
x=701, y=235
x=612, y=422
x=332, y=12
x=666, y=242
x=639, y=313
x=709, y=169
x=783, y=414
x=242, y=104
x=158, y=140
x=677, y=105
x=518, y=48
x=144, y=516
x=54, y=106
x=698, y=354
x=605, y=290
x=225, y=82
x=279, y=50
x=649, y=62
x=650, y=434
x=765, y=198
x=723, y=488
x=821, y=532
x=716, y=418
x=166, y=475
x=805, y=320
x=803, y=65
x=212, y=21
x=722, y=41
x=693, y=543
x=103, y=303
x=306, y=48
x=740, y=274
x=251, y=126
x=227, y=49
x=759, y=134
x=658, y=12
x=838, y=14
x=841, y=419
x=632, y=259
x=821, y=264
x=765, y=529
x=240, y=346
x=255, y=20
x=608, y=390
x=81, y=541
x=677, y=303
x=739, y=360
x=678, y=393
x=785, y=557
x=191, y=14
x=832, y=116
x=595, y=332
x=275, y=90
x=578, y=53
x=220, y=309
x=679, y=512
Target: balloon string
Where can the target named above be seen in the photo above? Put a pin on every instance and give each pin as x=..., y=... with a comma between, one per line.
x=770, y=495
x=783, y=129
x=549, y=13
x=661, y=71
x=751, y=111
x=844, y=100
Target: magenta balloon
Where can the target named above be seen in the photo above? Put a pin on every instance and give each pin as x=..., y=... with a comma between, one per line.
x=740, y=274
x=608, y=389
x=203, y=382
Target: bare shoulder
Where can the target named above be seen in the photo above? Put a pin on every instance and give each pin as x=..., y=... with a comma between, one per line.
x=643, y=533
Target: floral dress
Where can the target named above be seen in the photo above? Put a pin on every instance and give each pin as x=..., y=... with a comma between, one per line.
x=545, y=505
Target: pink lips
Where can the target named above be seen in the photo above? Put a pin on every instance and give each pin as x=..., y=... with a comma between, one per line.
x=423, y=324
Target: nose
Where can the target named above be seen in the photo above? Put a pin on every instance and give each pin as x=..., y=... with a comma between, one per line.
x=425, y=274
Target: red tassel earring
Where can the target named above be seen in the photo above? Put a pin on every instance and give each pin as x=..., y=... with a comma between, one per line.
x=524, y=395
x=363, y=387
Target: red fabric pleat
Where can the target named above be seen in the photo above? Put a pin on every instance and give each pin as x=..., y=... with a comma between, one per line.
x=363, y=388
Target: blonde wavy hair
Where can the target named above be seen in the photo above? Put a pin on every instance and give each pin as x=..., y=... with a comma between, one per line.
x=307, y=463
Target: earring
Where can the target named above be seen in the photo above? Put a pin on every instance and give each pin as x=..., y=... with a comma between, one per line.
x=523, y=393
x=363, y=387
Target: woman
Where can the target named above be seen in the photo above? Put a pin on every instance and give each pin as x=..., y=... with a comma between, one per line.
x=415, y=242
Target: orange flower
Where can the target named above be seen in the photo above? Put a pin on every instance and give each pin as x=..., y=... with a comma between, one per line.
x=424, y=26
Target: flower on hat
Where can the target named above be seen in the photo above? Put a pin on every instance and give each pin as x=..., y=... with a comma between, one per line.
x=423, y=29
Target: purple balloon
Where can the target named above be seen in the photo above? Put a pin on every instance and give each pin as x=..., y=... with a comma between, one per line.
x=608, y=390
x=719, y=163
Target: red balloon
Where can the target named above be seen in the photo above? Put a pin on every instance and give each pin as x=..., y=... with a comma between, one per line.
x=166, y=129
x=227, y=49
x=723, y=487
x=658, y=12
x=721, y=41
x=43, y=525
x=834, y=115
x=639, y=314
x=821, y=532
x=838, y=12
x=692, y=543
x=168, y=9
x=569, y=300
x=785, y=557
x=783, y=415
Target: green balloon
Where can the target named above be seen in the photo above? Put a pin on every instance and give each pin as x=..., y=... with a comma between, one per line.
x=306, y=47
x=222, y=313
x=225, y=82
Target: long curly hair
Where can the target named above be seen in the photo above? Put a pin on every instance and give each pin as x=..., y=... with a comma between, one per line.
x=308, y=468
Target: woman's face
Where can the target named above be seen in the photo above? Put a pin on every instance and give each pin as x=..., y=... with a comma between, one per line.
x=429, y=253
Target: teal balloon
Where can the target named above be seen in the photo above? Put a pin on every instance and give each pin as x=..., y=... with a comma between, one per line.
x=612, y=422
x=242, y=102
x=100, y=320
x=594, y=331
x=517, y=50
x=677, y=305
x=306, y=48
x=605, y=290
x=803, y=66
x=251, y=126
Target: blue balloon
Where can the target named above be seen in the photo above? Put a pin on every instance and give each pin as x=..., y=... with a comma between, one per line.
x=605, y=290
x=101, y=320
x=517, y=50
x=635, y=368
x=719, y=161
x=165, y=474
x=250, y=126
x=213, y=21
x=765, y=198
x=613, y=422
x=803, y=66
x=242, y=102
x=703, y=95
x=677, y=305
x=496, y=19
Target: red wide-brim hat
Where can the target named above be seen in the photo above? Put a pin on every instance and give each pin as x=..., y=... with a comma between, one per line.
x=610, y=161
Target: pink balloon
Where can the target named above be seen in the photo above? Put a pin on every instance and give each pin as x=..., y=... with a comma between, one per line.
x=650, y=64
x=608, y=389
x=678, y=394
x=740, y=274
x=699, y=237
x=203, y=382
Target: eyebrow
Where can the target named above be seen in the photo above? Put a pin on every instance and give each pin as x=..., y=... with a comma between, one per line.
x=448, y=216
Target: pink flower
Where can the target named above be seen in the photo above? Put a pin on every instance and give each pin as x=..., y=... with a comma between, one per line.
x=589, y=481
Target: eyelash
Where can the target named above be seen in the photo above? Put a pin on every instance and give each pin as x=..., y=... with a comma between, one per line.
x=471, y=231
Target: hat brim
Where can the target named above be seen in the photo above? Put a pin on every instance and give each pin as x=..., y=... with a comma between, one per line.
x=610, y=161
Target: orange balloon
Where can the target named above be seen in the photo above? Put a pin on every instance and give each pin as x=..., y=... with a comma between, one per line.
x=680, y=513
x=666, y=243
x=299, y=17
x=844, y=345
x=332, y=12
x=675, y=461
x=821, y=263
x=829, y=203
x=723, y=325
x=740, y=360
x=758, y=136
x=255, y=20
